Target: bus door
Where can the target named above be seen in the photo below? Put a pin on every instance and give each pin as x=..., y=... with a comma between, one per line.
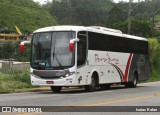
x=81, y=58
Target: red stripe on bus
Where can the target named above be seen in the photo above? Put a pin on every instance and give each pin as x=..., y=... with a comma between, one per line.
x=127, y=68
x=125, y=76
x=120, y=71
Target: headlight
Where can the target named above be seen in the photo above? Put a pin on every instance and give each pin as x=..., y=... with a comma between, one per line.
x=71, y=73
x=67, y=75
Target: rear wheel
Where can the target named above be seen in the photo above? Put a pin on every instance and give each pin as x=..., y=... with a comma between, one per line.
x=132, y=84
x=92, y=86
x=56, y=89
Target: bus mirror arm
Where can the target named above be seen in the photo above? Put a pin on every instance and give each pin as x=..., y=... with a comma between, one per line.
x=22, y=46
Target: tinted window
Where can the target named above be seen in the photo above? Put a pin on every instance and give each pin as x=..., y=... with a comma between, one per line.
x=104, y=42
x=81, y=48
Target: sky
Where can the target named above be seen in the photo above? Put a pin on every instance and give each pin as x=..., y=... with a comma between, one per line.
x=43, y=1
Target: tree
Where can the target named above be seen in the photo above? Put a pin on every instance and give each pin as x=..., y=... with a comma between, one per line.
x=139, y=27
x=115, y=15
x=25, y=14
x=11, y=50
x=81, y=12
x=154, y=53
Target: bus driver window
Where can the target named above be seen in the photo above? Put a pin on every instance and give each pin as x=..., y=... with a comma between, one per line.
x=81, y=48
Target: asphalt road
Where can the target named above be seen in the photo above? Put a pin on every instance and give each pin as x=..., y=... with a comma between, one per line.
x=146, y=94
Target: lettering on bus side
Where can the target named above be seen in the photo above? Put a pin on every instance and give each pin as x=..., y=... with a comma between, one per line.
x=106, y=59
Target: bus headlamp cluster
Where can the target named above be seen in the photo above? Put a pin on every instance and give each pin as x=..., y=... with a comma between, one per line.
x=69, y=74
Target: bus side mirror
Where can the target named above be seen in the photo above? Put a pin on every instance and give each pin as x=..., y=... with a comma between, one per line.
x=72, y=44
x=22, y=46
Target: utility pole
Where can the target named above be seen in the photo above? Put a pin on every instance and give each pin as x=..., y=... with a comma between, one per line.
x=129, y=14
x=129, y=17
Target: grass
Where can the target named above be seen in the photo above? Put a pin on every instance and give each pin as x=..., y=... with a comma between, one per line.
x=155, y=76
x=17, y=81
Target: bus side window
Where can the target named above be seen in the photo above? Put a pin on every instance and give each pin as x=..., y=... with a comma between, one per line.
x=81, y=48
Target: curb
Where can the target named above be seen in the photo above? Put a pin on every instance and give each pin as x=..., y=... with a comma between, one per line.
x=28, y=90
x=33, y=90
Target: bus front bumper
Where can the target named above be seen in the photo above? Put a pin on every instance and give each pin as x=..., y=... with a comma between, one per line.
x=68, y=81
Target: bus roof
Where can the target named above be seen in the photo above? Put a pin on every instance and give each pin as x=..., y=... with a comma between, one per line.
x=96, y=29
x=61, y=28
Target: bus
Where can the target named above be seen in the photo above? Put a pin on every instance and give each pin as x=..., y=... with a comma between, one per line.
x=90, y=57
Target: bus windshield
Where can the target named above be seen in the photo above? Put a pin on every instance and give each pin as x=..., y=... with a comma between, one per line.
x=50, y=50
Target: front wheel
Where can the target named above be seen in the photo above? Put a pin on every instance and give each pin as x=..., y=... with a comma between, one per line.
x=92, y=86
x=56, y=89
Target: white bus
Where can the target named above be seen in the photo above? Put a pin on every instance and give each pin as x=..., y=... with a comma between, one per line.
x=69, y=56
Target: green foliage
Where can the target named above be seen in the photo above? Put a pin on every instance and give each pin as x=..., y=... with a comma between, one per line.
x=81, y=12
x=116, y=15
x=21, y=76
x=154, y=54
x=156, y=58
x=15, y=81
x=155, y=76
x=141, y=28
x=25, y=57
x=6, y=50
x=25, y=14
x=11, y=50
x=106, y=13
x=158, y=40
x=138, y=27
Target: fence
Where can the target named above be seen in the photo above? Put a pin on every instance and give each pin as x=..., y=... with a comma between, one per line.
x=7, y=66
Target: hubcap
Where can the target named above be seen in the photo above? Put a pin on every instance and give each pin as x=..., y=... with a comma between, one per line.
x=135, y=81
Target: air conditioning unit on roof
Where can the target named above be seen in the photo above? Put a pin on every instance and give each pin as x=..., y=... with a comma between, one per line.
x=106, y=29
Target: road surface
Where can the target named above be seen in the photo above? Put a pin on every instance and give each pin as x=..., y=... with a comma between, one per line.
x=146, y=94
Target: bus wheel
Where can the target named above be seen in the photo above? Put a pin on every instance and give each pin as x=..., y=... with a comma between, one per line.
x=56, y=89
x=132, y=84
x=92, y=86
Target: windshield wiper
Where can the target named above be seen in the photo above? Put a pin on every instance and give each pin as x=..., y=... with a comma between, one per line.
x=57, y=61
x=54, y=55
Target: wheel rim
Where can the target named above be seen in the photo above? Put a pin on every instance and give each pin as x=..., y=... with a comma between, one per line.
x=135, y=81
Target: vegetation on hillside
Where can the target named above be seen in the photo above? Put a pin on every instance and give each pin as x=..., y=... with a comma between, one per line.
x=154, y=54
x=25, y=14
x=106, y=13
x=154, y=59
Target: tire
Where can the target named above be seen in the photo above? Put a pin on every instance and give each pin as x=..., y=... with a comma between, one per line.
x=92, y=86
x=132, y=84
x=56, y=89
